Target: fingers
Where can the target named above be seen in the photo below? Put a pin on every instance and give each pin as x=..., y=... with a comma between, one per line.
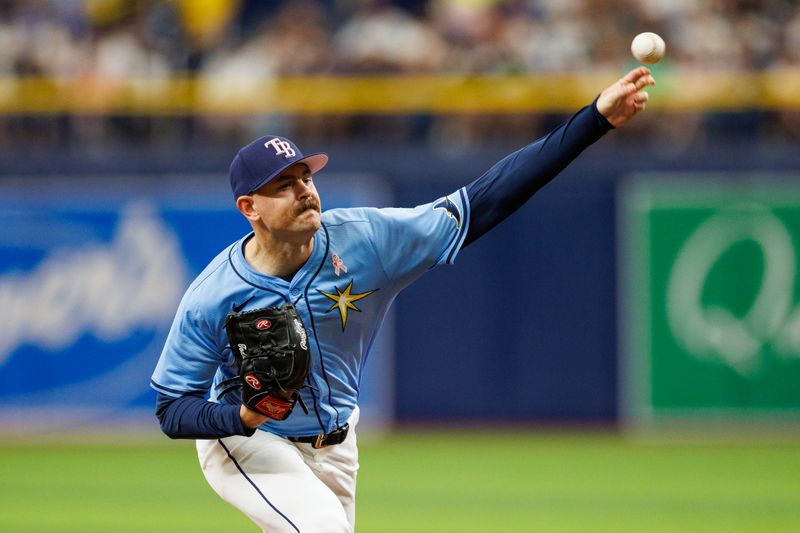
x=626, y=97
x=645, y=81
x=630, y=87
x=640, y=100
x=634, y=75
x=633, y=84
x=640, y=77
x=627, y=89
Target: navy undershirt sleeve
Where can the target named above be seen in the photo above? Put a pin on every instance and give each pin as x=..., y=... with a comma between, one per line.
x=193, y=417
x=515, y=178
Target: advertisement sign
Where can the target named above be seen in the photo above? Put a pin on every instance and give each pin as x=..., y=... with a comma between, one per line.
x=710, y=321
x=91, y=273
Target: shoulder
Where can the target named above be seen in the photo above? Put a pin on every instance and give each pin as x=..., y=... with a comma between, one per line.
x=366, y=216
x=348, y=224
x=350, y=215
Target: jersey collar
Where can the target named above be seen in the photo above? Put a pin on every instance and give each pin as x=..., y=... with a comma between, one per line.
x=301, y=278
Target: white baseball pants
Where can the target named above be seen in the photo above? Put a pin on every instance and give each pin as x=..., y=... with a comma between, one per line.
x=285, y=486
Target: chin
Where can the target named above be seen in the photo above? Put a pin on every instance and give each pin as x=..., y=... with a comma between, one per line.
x=312, y=221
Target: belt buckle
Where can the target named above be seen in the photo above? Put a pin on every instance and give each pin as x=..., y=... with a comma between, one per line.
x=321, y=441
x=322, y=438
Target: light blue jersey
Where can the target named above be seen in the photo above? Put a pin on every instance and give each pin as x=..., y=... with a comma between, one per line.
x=362, y=258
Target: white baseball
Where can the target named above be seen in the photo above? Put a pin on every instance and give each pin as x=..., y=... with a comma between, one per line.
x=648, y=47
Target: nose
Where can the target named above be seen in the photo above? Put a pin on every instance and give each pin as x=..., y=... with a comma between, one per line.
x=304, y=188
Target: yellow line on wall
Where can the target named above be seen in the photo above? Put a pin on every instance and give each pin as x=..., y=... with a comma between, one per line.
x=678, y=92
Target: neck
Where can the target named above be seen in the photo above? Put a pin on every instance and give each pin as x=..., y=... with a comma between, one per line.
x=277, y=258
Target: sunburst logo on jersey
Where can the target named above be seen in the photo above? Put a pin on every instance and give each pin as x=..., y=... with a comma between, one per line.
x=343, y=300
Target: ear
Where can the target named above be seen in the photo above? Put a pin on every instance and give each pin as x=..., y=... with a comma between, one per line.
x=245, y=205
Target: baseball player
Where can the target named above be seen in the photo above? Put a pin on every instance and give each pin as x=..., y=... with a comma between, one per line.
x=290, y=468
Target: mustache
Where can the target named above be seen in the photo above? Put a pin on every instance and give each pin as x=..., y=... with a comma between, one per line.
x=305, y=205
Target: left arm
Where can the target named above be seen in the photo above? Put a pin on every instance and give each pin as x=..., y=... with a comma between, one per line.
x=513, y=180
x=192, y=417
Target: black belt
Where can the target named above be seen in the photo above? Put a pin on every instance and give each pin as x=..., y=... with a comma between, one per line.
x=322, y=440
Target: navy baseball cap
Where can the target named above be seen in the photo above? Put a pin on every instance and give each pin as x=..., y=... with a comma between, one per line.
x=264, y=159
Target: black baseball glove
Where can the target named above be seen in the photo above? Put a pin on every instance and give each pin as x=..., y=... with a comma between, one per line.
x=271, y=350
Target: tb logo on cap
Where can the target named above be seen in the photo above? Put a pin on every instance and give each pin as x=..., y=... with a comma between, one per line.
x=281, y=147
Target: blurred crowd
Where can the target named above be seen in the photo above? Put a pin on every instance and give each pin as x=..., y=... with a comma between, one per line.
x=160, y=37
x=227, y=39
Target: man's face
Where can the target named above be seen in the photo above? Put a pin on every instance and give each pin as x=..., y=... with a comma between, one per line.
x=289, y=206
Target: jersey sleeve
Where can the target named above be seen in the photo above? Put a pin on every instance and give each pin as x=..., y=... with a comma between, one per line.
x=191, y=355
x=411, y=241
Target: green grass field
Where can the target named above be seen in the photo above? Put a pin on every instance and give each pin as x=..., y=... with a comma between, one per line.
x=428, y=482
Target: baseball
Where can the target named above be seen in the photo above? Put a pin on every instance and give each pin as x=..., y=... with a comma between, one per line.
x=648, y=47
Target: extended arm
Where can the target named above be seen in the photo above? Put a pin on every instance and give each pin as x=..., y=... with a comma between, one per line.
x=514, y=179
